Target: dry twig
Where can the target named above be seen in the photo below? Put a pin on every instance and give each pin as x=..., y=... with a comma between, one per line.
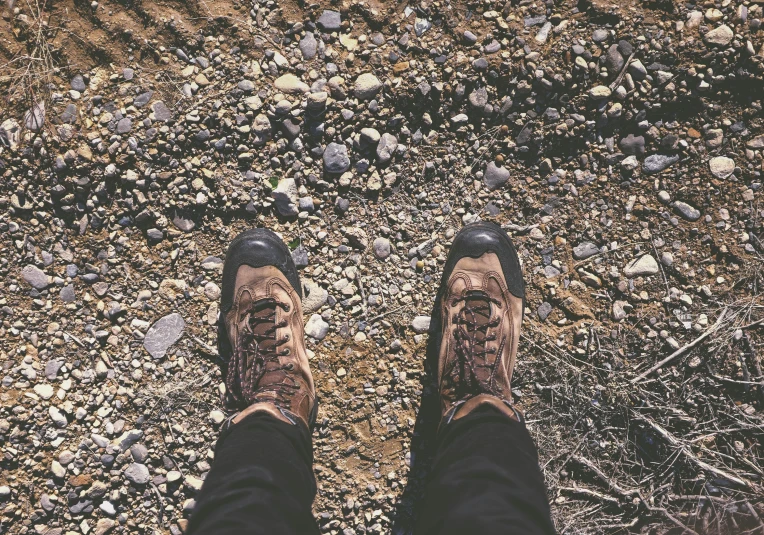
x=682, y=350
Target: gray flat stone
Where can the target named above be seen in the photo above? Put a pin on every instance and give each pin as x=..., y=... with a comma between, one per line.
x=686, y=211
x=336, y=159
x=57, y=417
x=421, y=324
x=35, y=277
x=212, y=263
x=656, y=163
x=124, y=126
x=316, y=327
x=246, y=85
x=51, y=369
x=544, y=310
x=137, y=473
x=139, y=453
x=300, y=257
x=128, y=438
x=285, y=197
x=381, y=247
x=632, y=144
x=69, y=115
x=163, y=334
x=367, y=86
x=756, y=143
x=67, y=294
x=78, y=83
x=720, y=36
x=309, y=46
x=314, y=296
x=599, y=35
x=386, y=148
x=495, y=176
x=186, y=224
x=614, y=60
x=585, y=250
x=721, y=166
x=642, y=266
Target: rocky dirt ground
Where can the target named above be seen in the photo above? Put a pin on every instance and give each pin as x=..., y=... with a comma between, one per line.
x=620, y=144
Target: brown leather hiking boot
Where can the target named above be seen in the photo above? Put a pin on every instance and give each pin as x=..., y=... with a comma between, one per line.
x=260, y=334
x=482, y=297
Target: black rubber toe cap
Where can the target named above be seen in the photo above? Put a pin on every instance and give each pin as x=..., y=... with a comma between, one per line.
x=476, y=239
x=257, y=248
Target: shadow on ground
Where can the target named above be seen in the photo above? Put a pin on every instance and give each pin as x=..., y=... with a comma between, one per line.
x=424, y=438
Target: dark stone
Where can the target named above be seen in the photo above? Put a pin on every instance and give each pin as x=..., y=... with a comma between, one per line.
x=614, y=61
x=290, y=128
x=625, y=48
x=544, y=310
x=186, y=224
x=78, y=83
x=300, y=257
x=632, y=144
x=161, y=111
x=67, y=294
x=69, y=115
x=141, y=100
x=124, y=126
x=480, y=64
x=330, y=21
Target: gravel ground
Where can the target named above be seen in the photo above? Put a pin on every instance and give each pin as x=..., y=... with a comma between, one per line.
x=619, y=144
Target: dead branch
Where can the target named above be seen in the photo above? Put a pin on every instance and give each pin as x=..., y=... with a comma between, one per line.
x=753, y=324
x=685, y=451
x=591, y=494
x=601, y=475
x=682, y=350
x=673, y=519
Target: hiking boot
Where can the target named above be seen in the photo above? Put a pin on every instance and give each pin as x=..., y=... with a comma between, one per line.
x=260, y=333
x=482, y=298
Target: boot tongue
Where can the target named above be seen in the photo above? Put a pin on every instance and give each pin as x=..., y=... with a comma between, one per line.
x=262, y=318
x=257, y=321
x=477, y=310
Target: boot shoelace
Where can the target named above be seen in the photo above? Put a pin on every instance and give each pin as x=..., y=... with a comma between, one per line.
x=471, y=335
x=260, y=343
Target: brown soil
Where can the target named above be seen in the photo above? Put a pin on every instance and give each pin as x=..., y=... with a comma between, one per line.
x=120, y=32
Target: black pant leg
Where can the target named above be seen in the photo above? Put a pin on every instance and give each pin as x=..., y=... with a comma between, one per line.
x=485, y=479
x=261, y=481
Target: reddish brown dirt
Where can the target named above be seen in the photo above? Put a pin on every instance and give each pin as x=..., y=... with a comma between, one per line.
x=120, y=32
